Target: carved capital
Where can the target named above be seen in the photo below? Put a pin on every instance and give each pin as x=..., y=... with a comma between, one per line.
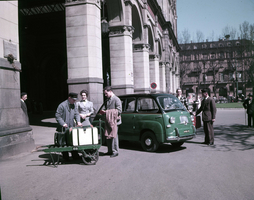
x=121, y=30
x=153, y=56
x=141, y=47
x=128, y=2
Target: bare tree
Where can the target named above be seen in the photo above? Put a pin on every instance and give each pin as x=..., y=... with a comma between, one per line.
x=251, y=31
x=228, y=30
x=186, y=36
x=199, y=36
x=244, y=30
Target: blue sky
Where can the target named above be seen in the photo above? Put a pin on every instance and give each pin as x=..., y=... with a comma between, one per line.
x=213, y=15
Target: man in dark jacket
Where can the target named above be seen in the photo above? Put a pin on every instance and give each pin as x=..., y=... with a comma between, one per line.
x=249, y=105
x=23, y=98
x=65, y=114
x=208, y=109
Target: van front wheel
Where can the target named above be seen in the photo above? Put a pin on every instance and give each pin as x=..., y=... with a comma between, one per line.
x=149, y=142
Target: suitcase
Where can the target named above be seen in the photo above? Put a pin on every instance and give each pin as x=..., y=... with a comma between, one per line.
x=59, y=139
x=198, y=122
x=82, y=136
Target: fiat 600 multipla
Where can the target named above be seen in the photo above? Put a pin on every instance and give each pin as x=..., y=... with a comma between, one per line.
x=153, y=119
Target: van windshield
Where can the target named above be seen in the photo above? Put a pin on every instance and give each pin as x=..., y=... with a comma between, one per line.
x=169, y=103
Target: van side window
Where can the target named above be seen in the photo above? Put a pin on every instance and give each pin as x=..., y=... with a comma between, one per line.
x=147, y=105
x=129, y=105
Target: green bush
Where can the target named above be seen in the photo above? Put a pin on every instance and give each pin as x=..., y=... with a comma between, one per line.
x=229, y=105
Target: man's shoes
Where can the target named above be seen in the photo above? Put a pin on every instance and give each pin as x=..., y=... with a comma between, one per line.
x=211, y=144
x=114, y=155
x=205, y=143
x=108, y=154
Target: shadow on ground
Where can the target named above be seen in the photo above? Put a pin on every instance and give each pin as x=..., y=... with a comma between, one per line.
x=235, y=137
x=43, y=119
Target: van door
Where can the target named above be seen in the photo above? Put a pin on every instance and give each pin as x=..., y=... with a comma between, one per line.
x=126, y=129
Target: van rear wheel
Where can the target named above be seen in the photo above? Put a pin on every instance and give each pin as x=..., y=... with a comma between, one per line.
x=149, y=142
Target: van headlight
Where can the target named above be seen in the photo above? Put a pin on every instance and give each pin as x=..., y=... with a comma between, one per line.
x=192, y=118
x=172, y=120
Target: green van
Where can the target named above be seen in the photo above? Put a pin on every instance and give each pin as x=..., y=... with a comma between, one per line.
x=153, y=119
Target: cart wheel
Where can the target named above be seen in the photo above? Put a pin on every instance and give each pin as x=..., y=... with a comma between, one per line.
x=90, y=157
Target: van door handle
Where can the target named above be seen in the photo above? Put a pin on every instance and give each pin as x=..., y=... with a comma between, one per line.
x=158, y=117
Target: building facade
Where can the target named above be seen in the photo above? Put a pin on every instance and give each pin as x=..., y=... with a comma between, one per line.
x=221, y=66
x=67, y=46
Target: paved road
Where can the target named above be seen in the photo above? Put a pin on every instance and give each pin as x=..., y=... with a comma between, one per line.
x=193, y=172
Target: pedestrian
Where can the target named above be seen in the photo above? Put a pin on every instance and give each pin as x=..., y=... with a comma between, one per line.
x=112, y=112
x=208, y=110
x=23, y=98
x=249, y=105
x=65, y=114
x=85, y=108
x=181, y=98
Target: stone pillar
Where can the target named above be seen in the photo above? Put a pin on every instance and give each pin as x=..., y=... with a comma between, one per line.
x=141, y=68
x=84, y=50
x=15, y=132
x=163, y=77
x=121, y=59
x=154, y=71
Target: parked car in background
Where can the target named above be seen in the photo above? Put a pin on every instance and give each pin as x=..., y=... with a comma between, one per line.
x=153, y=119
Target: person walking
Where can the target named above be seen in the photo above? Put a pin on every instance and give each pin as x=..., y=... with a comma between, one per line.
x=65, y=114
x=208, y=110
x=113, y=110
x=249, y=105
x=85, y=108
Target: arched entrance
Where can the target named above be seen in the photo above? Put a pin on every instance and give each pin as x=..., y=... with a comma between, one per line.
x=42, y=36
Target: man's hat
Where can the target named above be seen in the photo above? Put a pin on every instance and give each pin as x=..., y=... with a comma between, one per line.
x=73, y=95
x=204, y=90
x=250, y=95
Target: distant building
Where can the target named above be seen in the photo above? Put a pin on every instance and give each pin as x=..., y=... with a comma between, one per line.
x=222, y=66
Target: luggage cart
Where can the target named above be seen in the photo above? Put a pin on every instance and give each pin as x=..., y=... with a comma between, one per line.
x=90, y=153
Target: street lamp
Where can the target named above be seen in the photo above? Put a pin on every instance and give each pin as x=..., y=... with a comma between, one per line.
x=104, y=23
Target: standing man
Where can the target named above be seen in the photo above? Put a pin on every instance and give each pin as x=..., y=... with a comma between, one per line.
x=249, y=105
x=23, y=104
x=181, y=98
x=208, y=109
x=65, y=114
x=113, y=110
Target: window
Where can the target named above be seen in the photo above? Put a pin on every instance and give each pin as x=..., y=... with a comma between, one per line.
x=212, y=55
x=129, y=105
x=221, y=54
x=229, y=44
x=221, y=77
x=147, y=105
x=204, y=46
x=170, y=103
x=220, y=45
x=205, y=56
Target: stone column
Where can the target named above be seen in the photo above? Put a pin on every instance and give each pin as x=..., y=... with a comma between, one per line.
x=121, y=59
x=16, y=135
x=141, y=68
x=154, y=71
x=83, y=32
x=163, y=77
